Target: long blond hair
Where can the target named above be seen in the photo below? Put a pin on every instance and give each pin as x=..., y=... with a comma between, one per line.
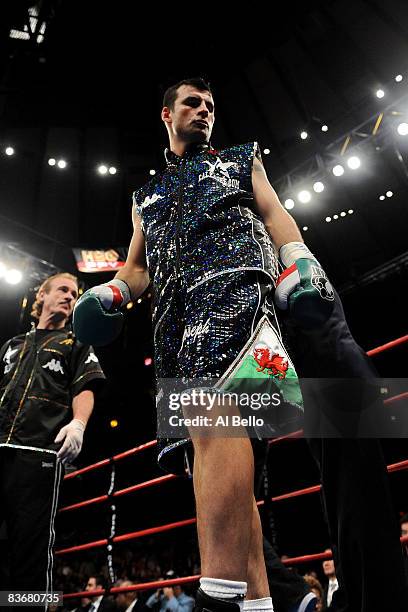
x=46, y=286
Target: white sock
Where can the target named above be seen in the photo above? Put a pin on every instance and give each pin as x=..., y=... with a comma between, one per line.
x=265, y=604
x=224, y=589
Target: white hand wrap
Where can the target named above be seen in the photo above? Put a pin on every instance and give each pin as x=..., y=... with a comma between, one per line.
x=292, y=251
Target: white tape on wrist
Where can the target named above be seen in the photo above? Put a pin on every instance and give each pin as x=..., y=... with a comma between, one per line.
x=292, y=251
x=123, y=288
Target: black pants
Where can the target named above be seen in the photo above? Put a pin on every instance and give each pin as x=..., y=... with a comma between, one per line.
x=29, y=487
x=287, y=588
x=356, y=497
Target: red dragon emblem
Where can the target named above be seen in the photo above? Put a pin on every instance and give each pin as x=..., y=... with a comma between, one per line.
x=274, y=364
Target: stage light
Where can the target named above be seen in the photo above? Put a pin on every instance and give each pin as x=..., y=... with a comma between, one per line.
x=152, y=172
x=399, y=78
x=13, y=276
x=342, y=214
x=139, y=301
x=62, y=163
x=354, y=162
x=389, y=194
x=338, y=170
x=350, y=211
x=3, y=269
x=380, y=93
x=80, y=291
x=402, y=129
x=328, y=219
x=266, y=151
x=9, y=151
x=325, y=128
x=318, y=187
x=289, y=204
x=129, y=305
x=52, y=161
x=112, y=170
x=114, y=423
x=382, y=197
x=335, y=216
x=305, y=228
x=148, y=361
x=102, y=169
x=304, y=135
x=304, y=196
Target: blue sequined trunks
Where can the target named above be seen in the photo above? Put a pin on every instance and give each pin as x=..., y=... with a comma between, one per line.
x=199, y=334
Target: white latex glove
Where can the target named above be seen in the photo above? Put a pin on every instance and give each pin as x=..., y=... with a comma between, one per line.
x=73, y=434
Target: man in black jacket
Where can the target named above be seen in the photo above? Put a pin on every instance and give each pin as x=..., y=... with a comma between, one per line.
x=47, y=379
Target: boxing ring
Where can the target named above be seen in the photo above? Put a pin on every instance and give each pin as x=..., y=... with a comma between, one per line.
x=113, y=494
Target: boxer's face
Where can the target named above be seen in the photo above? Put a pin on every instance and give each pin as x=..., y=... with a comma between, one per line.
x=59, y=301
x=192, y=118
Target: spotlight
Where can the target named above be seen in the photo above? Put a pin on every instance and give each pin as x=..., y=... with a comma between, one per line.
x=62, y=163
x=129, y=305
x=325, y=128
x=399, y=78
x=380, y=93
x=318, y=187
x=382, y=197
x=328, y=219
x=289, y=204
x=266, y=151
x=152, y=172
x=112, y=170
x=402, y=129
x=3, y=269
x=9, y=151
x=114, y=423
x=139, y=301
x=338, y=170
x=354, y=162
x=305, y=228
x=342, y=214
x=335, y=216
x=304, y=196
x=350, y=211
x=304, y=135
x=148, y=361
x=13, y=277
x=52, y=161
x=102, y=169
x=389, y=194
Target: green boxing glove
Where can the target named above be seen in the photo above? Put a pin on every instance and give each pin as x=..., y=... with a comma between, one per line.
x=96, y=317
x=303, y=288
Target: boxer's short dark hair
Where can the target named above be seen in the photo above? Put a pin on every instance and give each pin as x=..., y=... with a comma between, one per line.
x=170, y=94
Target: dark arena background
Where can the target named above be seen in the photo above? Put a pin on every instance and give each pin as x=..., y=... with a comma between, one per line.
x=323, y=87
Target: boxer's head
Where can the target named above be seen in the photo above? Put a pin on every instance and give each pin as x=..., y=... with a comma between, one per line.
x=56, y=298
x=188, y=112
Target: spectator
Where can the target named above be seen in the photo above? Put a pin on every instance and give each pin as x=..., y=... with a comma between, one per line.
x=99, y=603
x=128, y=602
x=404, y=532
x=316, y=587
x=332, y=585
x=171, y=599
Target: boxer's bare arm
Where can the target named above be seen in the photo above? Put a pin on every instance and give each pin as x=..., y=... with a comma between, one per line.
x=134, y=272
x=280, y=224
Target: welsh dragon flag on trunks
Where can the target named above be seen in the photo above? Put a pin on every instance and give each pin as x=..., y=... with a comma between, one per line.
x=264, y=367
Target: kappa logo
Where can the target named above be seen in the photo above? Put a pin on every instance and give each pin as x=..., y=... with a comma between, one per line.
x=54, y=366
x=44, y=464
x=7, y=359
x=322, y=283
x=67, y=341
x=151, y=200
x=92, y=357
x=194, y=331
x=218, y=171
x=275, y=365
